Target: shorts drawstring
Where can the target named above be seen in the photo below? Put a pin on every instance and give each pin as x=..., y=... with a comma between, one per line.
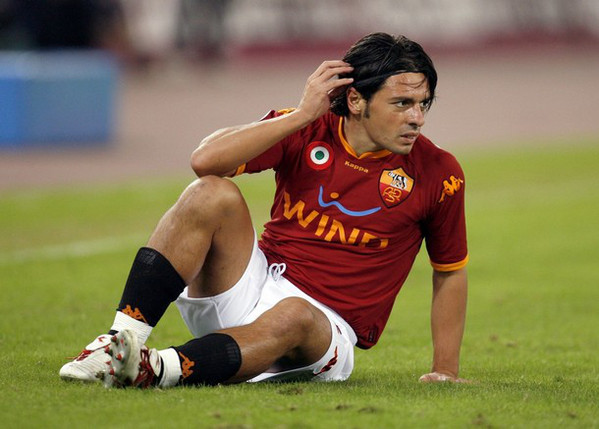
x=277, y=270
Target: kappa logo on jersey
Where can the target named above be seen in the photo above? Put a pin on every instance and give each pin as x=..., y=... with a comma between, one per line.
x=450, y=187
x=319, y=155
x=395, y=186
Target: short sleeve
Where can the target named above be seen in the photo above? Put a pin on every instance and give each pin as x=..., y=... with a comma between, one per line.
x=271, y=157
x=445, y=226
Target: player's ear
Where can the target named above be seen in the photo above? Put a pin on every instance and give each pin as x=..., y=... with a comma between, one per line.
x=355, y=101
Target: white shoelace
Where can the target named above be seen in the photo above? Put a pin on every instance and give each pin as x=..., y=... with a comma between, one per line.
x=277, y=270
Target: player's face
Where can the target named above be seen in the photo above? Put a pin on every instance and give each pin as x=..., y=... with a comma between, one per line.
x=394, y=115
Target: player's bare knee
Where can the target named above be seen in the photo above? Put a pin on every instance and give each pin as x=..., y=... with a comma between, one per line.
x=209, y=194
x=299, y=318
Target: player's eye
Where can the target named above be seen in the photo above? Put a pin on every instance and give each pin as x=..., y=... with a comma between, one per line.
x=425, y=105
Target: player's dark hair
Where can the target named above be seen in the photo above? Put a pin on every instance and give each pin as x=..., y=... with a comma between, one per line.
x=378, y=56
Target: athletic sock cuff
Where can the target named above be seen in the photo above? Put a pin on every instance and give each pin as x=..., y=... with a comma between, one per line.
x=122, y=322
x=171, y=368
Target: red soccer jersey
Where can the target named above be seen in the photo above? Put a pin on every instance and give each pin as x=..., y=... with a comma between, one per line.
x=349, y=228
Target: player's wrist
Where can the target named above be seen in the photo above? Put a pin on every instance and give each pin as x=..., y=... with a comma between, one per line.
x=303, y=117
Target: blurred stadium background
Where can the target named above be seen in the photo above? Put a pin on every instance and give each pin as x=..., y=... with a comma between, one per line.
x=510, y=71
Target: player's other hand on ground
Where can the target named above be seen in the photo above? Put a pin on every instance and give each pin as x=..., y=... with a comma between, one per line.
x=437, y=377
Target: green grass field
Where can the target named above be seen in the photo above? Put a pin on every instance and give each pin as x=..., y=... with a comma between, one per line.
x=531, y=344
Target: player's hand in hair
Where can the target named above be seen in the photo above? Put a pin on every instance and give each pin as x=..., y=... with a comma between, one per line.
x=321, y=86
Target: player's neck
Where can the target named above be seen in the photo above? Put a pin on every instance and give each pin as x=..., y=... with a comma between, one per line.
x=356, y=136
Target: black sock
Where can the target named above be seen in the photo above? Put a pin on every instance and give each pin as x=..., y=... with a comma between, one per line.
x=210, y=360
x=152, y=285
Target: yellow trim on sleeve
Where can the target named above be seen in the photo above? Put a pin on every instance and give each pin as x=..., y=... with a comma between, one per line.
x=286, y=111
x=451, y=267
x=239, y=170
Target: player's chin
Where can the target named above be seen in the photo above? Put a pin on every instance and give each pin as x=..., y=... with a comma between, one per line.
x=404, y=143
x=402, y=148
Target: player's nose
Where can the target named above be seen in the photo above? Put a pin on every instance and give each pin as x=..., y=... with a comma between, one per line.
x=417, y=116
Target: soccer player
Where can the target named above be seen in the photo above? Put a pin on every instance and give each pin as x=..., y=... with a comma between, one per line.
x=358, y=188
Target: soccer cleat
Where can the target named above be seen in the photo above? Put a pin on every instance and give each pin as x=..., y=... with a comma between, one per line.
x=131, y=364
x=90, y=365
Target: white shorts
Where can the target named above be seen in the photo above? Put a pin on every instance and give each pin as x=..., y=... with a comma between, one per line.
x=259, y=289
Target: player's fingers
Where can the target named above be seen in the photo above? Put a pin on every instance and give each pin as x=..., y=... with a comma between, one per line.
x=434, y=377
x=333, y=73
x=327, y=65
x=339, y=86
x=328, y=69
x=437, y=377
x=318, y=87
x=330, y=80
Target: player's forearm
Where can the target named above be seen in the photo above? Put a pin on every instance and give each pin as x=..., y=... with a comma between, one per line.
x=448, y=315
x=223, y=151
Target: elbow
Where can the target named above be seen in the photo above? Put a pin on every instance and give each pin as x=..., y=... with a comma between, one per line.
x=201, y=162
x=207, y=162
x=198, y=165
x=214, y=156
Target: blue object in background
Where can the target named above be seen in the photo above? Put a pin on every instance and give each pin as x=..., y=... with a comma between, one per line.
x=49, y=98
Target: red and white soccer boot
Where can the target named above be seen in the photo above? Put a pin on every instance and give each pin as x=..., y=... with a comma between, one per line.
x=131, y=364
x=90, y=365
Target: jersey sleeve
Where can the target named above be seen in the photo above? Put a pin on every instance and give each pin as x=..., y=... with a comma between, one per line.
x=271, y=157
x=445, y=227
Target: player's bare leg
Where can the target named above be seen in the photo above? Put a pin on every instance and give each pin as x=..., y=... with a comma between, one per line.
x=293, y=334
x=207, y=236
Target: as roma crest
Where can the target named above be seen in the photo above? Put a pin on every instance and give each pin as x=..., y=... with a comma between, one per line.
x=395, y=186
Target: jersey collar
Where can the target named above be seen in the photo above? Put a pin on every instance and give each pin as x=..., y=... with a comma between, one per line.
x=378, y=154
